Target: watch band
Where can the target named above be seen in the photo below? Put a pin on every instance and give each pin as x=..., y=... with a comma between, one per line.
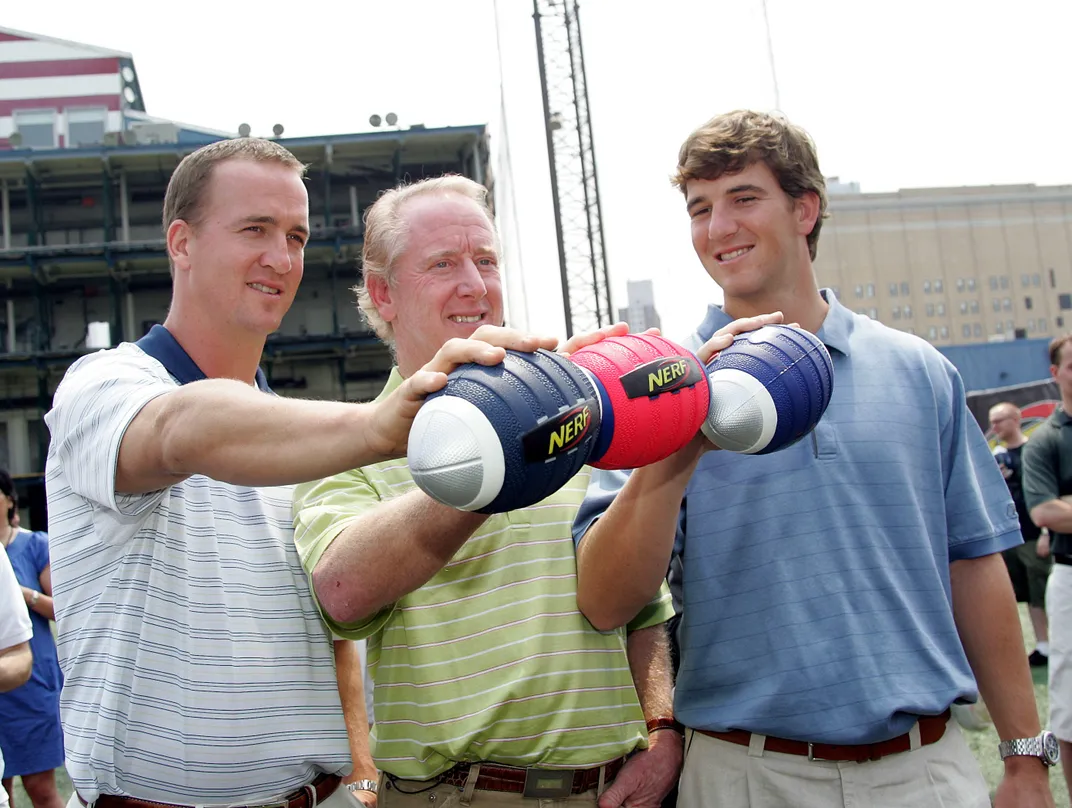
x=1043, y=746
x=363, y=785
x=665, y=722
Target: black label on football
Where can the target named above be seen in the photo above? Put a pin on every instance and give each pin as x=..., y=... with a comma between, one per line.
x=559, y=434
x=662, y=376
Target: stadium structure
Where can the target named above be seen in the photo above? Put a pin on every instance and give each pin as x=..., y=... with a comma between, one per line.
x=83, y=170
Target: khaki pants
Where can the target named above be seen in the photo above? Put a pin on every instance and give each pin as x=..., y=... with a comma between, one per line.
x=724, y=775
x=412, y=793
x=1059, y=612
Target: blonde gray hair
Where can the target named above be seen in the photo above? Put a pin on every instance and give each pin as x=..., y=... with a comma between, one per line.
x=386, y=230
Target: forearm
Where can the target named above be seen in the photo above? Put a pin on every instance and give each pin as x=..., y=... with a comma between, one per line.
x=249, y=438
x=352, y=696
x=648, y=650
x=42, y=604
x=1054, y=515
x=387, y=553
x=989, y=626
x=623, y=558
x=16, y=663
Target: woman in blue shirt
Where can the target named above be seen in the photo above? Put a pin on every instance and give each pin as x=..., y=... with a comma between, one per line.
x=30, y=736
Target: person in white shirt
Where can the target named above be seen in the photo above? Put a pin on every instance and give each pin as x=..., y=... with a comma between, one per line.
x=16, y=660
x=197, y=669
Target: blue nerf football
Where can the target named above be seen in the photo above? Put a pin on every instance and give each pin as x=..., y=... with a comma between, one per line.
x=768, y=390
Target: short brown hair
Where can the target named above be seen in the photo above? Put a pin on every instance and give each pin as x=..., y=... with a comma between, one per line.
x=730, y=143
x=385, y=235
x=1056, y=344
x=185, y=194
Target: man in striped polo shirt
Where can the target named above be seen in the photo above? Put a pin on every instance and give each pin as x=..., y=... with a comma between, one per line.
x=197, y=669
x=842, y=593
x=490, y=685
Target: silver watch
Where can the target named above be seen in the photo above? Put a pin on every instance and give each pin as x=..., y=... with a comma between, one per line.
x=1044, y=746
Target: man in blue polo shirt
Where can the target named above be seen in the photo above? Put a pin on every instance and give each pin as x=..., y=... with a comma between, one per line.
x=838, y=594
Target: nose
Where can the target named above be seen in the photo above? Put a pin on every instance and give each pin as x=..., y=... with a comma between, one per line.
x=277, y=254
x=470, y=281
x=721, y=225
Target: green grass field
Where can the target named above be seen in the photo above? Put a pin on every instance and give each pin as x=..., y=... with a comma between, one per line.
x=984, y=743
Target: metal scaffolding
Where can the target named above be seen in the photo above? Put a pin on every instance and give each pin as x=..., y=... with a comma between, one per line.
x=574, y=185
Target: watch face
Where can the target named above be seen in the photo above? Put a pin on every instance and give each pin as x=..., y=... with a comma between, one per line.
x=1050, y=747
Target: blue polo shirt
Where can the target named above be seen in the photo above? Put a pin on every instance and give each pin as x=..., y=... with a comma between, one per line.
x=816, y=584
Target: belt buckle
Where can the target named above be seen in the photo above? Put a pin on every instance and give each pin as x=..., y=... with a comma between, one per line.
x=548, y=783
x=811, y=753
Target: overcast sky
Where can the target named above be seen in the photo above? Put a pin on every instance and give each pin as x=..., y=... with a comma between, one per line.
x=897, y=95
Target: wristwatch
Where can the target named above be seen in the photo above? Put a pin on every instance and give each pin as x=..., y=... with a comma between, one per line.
x=362, y=785
x=1044, y=746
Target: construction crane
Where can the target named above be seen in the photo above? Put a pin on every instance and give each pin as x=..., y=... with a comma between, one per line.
x=582, y=258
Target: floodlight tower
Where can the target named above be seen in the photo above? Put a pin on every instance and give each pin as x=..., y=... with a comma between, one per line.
x=582, y=257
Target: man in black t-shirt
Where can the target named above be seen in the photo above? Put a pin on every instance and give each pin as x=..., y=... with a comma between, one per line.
x=1030, y=563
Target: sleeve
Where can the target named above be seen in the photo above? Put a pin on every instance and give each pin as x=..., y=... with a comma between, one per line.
x=981, y=517
x=322, y=510
x=92, y=408
x=1040, y=471
x=659, y=610
x=39, y=551
x=603, y=487
x=15, y=625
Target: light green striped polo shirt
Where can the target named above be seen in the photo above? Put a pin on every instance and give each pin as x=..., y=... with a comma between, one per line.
x=489, y=660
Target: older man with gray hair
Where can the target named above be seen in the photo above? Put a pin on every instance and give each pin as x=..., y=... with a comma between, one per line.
x=488, y=677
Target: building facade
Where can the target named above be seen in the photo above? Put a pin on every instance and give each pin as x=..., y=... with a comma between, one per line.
x=953, y=265
x=640, y=313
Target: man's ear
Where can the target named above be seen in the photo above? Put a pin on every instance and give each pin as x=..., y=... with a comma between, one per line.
x=178, y=243
x=807, y=208
x=382, y=296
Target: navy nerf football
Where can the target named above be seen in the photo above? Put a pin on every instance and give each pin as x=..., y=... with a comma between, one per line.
x=504, y=437
x=768, y=390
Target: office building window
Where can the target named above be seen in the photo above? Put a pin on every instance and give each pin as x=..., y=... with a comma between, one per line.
x=938, y=285
x=966, y=330
x=999, y=328
x=896, y=312
x=1065, y=302
x=974, y=306
x=997, y=304
x=1059, y=321
x=859, y=290
x=941, y=309
x=907, y=312
x=930, y=309
x=932, y=332
x=960, y=284
x=926, y=287
x=964, y=307
x=1025, y=280
x=994, y=282
x=1053, y=279
x=944, y=332
x=971, y=284
x=1030, y=326
x=1006, y=304
x=893, y=290
x=1010, y=325
x=1036, y=280
x=872, y=313
x=1042, y=324
x=977, y=330
x=904, y=288
x=36, y=127
x=1027, y=303
x=870, y=290
x=1004, y=281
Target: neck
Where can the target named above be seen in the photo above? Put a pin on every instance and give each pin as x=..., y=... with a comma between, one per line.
x=11, y=531
x=805, y=307
x=219, y=354
x=1019, y=439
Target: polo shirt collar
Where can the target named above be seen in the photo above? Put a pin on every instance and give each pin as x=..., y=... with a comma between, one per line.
x=394, y=381
x=835, y=332
x=162, y=346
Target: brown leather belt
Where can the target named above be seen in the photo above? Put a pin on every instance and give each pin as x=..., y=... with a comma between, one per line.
x=931, y=729
x=323, y=786
x=494, y=777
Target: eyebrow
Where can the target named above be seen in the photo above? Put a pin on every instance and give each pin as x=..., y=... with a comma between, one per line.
x=484, y=249
x=298, y=228
x=736, y=189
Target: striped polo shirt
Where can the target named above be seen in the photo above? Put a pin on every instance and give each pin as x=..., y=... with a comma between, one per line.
x=197, y=669
x=490, y=659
